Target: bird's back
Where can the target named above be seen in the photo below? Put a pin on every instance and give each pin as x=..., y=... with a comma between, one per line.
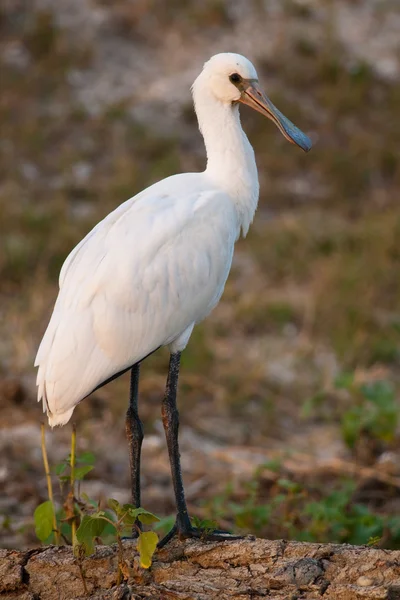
x=141, y=277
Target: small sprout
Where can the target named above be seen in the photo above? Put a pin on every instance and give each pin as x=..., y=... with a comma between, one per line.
x=205, y=525
x=82, y=519
x=374, y=540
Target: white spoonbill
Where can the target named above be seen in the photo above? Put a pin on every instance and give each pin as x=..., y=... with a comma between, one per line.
x=156, y=266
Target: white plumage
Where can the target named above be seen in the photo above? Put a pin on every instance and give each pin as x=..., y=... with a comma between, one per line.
x=157, y=265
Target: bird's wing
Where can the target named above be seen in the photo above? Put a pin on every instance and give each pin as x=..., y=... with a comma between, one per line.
x=139, y=279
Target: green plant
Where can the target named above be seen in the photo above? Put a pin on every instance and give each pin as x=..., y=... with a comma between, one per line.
x=312, y=513
x=206, y=525
x=46, y=528
x=370, y=409
x=375, y=410
x=121, y=519
x=335, y=517
x=81, y=521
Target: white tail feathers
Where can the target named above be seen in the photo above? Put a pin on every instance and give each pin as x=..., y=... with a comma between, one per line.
x=54, y=419
x=60, y=419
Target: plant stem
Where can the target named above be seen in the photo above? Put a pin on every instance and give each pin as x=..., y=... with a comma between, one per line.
x=72, y=481
x=49, y=484
x=120, y=558
x=82, y=574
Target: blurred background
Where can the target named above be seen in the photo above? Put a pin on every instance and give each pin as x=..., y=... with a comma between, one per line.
x=289, y=391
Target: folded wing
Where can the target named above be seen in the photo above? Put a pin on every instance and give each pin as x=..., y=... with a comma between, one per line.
x=154, y=266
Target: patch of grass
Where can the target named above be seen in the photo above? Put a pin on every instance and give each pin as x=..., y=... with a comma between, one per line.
x=298, y=9
x=356, y=292
x=368, y=414
x=133, y=19
x=81, y=521
x=41, y=35
x=198, y=354
x=290, y=509
x=375, y=411
x=349, y=268
x=260, y=315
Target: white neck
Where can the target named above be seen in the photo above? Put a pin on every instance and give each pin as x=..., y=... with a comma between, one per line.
x=230, y=157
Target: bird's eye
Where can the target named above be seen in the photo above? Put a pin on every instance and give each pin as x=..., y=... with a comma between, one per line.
x=235, y=78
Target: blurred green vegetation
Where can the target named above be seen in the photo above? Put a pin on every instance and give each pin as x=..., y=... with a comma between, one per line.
x=309, y=512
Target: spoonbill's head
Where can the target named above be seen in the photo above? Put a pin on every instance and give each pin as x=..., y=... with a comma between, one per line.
x=232, y=78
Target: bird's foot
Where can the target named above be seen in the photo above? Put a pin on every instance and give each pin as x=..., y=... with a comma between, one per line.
x=186, y=530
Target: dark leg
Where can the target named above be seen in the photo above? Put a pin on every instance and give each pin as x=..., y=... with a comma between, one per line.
x=134, y=434
x=170, y=417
